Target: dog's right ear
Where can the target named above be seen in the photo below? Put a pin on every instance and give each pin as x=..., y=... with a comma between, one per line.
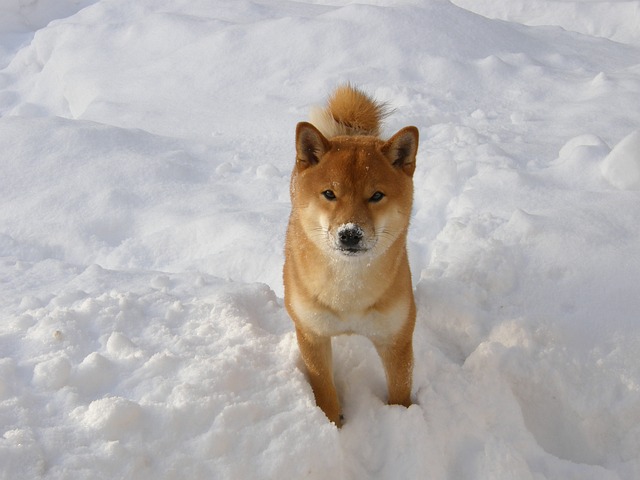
x=310, y=145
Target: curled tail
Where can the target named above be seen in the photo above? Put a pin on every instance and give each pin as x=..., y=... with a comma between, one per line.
x=349, y=111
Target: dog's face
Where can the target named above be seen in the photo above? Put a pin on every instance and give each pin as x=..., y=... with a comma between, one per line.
x=353, y=195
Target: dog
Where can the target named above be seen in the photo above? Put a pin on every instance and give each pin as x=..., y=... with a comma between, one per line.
x=346, y=269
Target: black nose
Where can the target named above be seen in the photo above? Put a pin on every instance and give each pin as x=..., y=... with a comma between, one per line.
x=350, y=237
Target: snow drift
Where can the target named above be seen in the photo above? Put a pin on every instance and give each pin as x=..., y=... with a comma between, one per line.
x=146, y=148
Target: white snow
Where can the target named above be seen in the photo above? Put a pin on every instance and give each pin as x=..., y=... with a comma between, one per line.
x=146, y=148
x=622, y=166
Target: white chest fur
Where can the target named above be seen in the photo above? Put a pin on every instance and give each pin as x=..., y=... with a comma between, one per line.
x=371, y=323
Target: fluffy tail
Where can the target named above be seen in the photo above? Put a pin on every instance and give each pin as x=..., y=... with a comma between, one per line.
x=349, y=111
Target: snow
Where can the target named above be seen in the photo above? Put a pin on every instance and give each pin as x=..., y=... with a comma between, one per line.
x=146, y=149
x=622, y=166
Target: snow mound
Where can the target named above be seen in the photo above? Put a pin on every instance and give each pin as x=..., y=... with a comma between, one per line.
x=622, y=166
x=111, y=416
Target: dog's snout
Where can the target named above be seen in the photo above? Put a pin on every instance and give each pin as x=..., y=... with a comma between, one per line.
x=350, y=236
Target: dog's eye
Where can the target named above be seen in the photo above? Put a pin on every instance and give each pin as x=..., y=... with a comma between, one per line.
x=376, y=197
x=329, y=195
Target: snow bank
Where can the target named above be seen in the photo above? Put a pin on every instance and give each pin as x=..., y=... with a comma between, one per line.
x=32, y=15
x=113, y=196
x=146, y=149
x=617, y=20
x=20, y=18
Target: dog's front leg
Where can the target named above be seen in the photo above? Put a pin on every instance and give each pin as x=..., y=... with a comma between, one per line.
x=397, y=359
x=316, y=354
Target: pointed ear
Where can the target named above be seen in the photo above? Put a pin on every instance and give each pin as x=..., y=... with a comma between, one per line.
x=310, y=145
x=401, y=149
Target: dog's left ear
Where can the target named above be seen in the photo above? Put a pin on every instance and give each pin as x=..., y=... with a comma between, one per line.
x=401, y=149
x=310, y=145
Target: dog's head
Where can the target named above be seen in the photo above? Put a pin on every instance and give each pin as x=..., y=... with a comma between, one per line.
x=353, y=194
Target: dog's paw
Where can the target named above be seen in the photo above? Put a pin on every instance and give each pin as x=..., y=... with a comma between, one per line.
x=337, y=421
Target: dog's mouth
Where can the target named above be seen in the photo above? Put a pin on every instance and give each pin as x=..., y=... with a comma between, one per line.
x=352, y=251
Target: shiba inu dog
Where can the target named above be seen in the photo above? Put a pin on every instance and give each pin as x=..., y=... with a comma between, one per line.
x=346, y=269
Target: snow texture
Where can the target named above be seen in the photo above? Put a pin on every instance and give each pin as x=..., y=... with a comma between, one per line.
x=146, y=148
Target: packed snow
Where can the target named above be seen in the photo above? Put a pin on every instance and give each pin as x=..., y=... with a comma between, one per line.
x=146, y=149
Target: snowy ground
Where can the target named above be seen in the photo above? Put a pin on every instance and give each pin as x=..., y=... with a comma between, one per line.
x=146, y=148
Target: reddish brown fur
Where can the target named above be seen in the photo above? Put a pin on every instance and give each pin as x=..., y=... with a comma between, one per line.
x=334, y=285
x=349, y=112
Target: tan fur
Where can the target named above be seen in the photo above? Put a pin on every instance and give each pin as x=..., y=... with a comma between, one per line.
x=346, y=268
